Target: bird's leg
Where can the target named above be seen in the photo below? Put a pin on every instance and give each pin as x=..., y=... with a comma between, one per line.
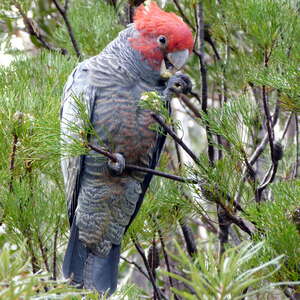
x=117, y=166
x=178, y=84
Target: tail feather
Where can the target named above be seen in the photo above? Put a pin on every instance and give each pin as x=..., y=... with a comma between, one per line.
x=101, y=273
x=88, y=270
x=75, y=257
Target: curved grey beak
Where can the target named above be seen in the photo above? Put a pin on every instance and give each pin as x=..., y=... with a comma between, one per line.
x=175, y=61
x=178, y=59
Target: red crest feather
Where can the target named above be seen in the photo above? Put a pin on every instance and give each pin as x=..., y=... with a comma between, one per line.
x=152, y=22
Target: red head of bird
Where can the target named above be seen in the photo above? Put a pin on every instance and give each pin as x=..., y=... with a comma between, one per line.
x=163, y=39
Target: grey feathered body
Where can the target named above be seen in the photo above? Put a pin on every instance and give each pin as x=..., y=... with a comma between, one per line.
x=102, y=205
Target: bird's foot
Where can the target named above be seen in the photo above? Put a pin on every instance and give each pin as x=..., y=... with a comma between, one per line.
x=179, y=84
x=117, y=167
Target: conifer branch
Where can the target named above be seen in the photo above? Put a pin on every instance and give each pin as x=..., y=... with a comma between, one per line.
x=236, y=220
x=63, y=13
x=224, y=222
x=256, y=154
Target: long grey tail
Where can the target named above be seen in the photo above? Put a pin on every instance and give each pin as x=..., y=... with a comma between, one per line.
x=88, y=270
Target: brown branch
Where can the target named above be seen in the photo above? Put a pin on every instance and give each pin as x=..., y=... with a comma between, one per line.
x=297, y=147
x=270, y=130
x=190, y=105
x=163, y=246
x=189, y=239
x=54, y=263
x=159, y=120
x=33, y=29
x=286, y=126
x=104, y=152
x=66, y=6
x=44, y=255
x=143, y=169
x=203, y=72
x=182, y=14
x=136, y=265
x=257, y=152
x=143, y=256
x=63, y=13
x=12, y=161
x=162, y=174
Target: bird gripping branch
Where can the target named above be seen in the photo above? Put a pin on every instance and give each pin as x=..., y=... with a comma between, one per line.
x=103, y=198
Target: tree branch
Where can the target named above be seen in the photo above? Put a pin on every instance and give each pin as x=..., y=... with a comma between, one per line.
x=159, y=120
x=63, y=13
x=163, y=246
x=297, y=147
x=33, y=29
x=143, y=169
x=136, y=265
x=143, y=256
x=182, y=14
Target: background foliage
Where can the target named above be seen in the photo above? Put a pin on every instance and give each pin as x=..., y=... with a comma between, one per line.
x=232, y=236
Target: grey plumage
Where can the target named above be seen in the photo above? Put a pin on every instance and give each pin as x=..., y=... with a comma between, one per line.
x=103, y=202
x=101, y=206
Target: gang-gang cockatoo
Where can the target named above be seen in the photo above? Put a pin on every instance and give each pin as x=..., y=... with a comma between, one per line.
x=104, y=197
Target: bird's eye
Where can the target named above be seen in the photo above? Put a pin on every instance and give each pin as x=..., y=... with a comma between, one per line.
x=162, y=40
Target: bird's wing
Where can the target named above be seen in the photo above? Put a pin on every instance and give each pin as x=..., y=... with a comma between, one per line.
x=161, y=138
x=76, y=89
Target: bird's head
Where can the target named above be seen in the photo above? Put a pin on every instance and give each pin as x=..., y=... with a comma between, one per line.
x=162, y=39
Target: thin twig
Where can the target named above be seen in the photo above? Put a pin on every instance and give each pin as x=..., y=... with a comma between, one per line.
x=203, y=72
x=66, y=6
x=188, y=151
x=182, y=14
x=138, y=247
x=64, y=15
x=186, y=230
x=143, y=169
x=12, y=161
x=104, y=152
x=190, y=105
x=163, y=246
x=159, y=120
x=54, y=262
x=286, y=127
x=44, y=255
x=189, y=239
x=33, y=29
x=270, y=130
x=136, y=265
x=297, y=147
x=162, y=174
x=257, y=153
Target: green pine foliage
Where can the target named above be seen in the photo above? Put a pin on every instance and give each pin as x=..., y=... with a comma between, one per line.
x=256, y=50
x=278, y=226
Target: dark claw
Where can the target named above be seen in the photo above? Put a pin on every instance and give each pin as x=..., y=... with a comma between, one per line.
x=179, y=84
x=117, y=167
